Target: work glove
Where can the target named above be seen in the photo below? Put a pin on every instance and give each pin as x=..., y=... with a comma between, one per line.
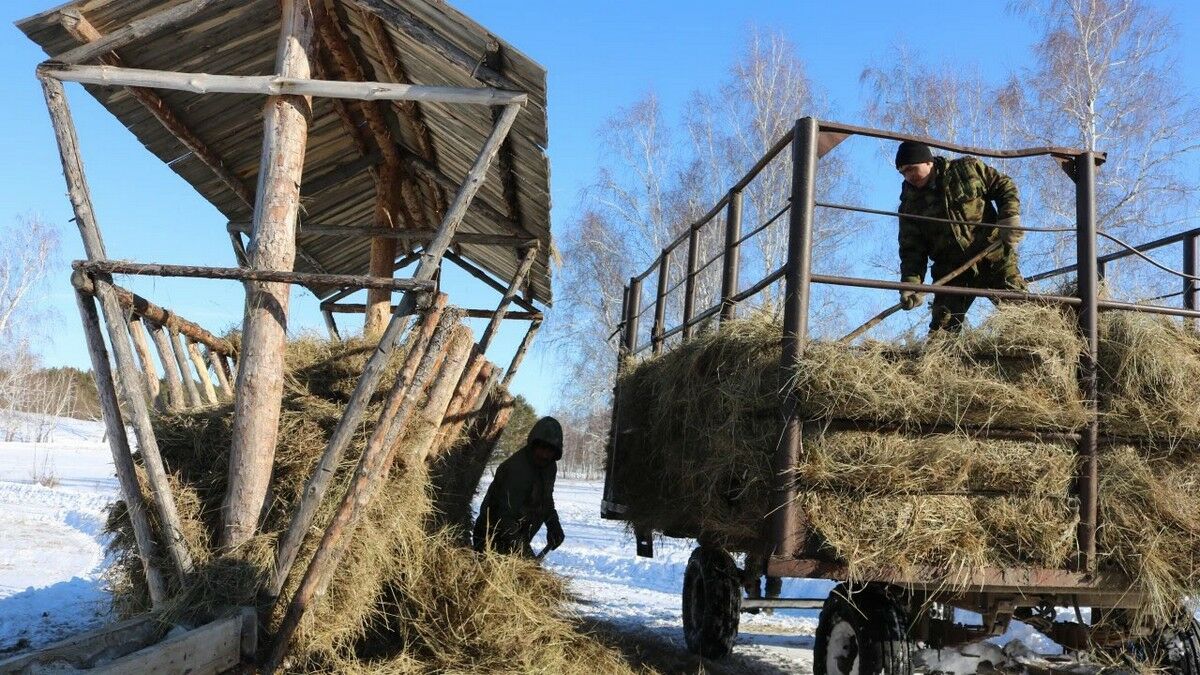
x=1007, y=236
x=911, y=299
x=554, y=534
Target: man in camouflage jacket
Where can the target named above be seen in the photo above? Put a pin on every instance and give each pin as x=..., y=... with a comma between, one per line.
x=964, y=190
x=521, y=497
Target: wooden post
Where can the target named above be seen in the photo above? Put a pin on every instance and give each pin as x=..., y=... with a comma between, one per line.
x=273, y=247
x=115, y=323
x=331, y=325
x=430, y=260
x=185, y=370
x=383, y=251
x=176, y=400
x=218, y=366
x=520, y=355
x=450, y=344
x=206, y=384
x=514, y=287
x=142, y=347
x=118, y=443
x=314, y=490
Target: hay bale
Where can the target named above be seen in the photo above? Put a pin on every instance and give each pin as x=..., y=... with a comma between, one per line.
x=700, y=423
x=397, y=565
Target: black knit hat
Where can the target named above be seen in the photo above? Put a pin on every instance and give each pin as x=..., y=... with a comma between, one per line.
x=912, y=152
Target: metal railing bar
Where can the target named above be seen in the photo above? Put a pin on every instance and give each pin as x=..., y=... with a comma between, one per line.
x=1053, y=151
x=771, y=221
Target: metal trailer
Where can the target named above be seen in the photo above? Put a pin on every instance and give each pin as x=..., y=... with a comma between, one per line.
x=871, y=627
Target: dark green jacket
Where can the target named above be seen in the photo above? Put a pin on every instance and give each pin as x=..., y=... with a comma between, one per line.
x=962, y=189
x=521, y=496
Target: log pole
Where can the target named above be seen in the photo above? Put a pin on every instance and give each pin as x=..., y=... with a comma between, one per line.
x=383, y=251
x=514, y=287
x=115, y=324
x=314, y=490
x=185, y=369
x=142, y=346
x=256, y=274
x=430, y=260
x=520, y=355
x=447, y=344
x=114, y=428
x=176, y=400
x=218, y=367
x=273, y=247
x=206, y=384
x=151, y=25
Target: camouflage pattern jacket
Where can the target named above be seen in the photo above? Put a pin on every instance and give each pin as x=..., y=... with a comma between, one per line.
x=962, y=189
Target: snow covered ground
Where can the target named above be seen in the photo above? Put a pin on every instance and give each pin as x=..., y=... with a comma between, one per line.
x=52, y=499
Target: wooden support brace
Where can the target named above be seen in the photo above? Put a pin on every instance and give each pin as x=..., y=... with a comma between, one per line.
x=115, y=324
x=318, y=484
x=206, y=385
x=276, y=85
x=450, y=344
x=274, y=276
x=145, y=27
x=142, y=347
x=514, y=287
x=519, y=356
x=331, y=325
x=466, y=266
x=118, y=443
x=273, y=250
x=176, y=400
x=185, y=370
x=218, y=367
x=407, y=236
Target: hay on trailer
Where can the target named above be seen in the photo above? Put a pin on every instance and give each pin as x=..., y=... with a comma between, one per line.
x=700, y=423
x=398, y=569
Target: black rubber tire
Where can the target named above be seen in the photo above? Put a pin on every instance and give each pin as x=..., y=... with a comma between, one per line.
x=1176, y=650
x=712, y=602
x=867, y=627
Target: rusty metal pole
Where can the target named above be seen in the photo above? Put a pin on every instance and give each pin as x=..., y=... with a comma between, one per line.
x=1087, y=279
x=1191, y=288
x=729, y=272
x=631, y=307
x=689, y=286
x=786, y=528
x=660, y=302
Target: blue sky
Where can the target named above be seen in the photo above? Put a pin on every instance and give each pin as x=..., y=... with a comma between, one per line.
x=600, y=56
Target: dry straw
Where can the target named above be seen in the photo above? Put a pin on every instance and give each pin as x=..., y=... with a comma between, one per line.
x=407, y=598
x=700, y=423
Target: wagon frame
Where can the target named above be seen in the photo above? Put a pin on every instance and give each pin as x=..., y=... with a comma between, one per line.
x=998, y=594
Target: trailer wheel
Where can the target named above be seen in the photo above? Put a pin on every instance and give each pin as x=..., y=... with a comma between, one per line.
x=1176, y=650
x=862, y=633
x=712, y=600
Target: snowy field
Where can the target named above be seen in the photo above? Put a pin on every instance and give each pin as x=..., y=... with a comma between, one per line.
x=54, y=488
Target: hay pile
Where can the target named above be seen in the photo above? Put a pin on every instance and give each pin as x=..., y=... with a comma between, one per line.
x=407, y=597
x=705, y=420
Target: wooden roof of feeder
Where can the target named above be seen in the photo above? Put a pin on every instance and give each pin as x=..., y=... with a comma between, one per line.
x=402, y=41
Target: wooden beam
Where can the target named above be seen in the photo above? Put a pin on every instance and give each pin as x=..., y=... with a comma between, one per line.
x=118, y=443
x=185, y=371
x=145, y=27
x=331, y=325
x=86, y=648
x=115, y=324
x=206, y=384
x=430, y=171
x=519, y=356
x=314, y=491
x=450, y=344
x=277, y=276
x=514, y=287
x=276, y=85
x=418, y=30
x=141, y=307
x=142, y=347
x=273, y=250
x=176, y=400
x=359, y=308
x=466, y=266
x=218, y=366
x=407, y=236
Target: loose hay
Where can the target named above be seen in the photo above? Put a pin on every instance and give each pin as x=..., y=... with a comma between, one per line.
x=406, y=598
x=701, y=422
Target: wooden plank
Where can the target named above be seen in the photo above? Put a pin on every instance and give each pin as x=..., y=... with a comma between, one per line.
x=208, y=650
x=86, y=648
x=276, y=85
x=137, y=30
x=264, y=328
x=277, y=276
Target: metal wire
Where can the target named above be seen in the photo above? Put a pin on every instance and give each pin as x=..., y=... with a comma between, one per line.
x=1021, y=228
x=765, y=225
x=1133, y=250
